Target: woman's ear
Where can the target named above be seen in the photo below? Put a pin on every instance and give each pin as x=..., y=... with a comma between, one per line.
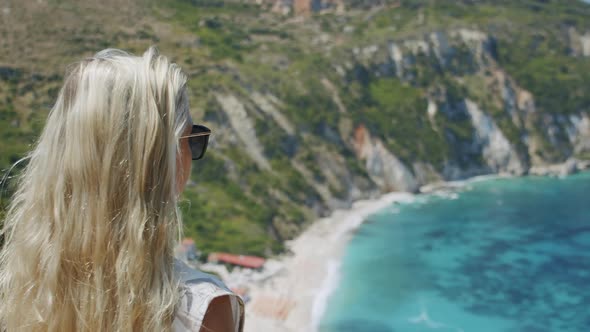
x=183, y=160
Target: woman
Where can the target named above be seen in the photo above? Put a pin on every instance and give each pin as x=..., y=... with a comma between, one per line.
x=91, y=230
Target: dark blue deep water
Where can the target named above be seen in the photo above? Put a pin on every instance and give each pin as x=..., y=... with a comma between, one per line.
x=499, y=255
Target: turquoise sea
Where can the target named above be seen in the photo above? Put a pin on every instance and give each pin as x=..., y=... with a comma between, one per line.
x=497, y=255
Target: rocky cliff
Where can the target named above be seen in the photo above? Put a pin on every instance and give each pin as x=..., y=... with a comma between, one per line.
x=328, y=102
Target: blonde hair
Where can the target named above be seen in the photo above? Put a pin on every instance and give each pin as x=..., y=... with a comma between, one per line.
x=92, y=226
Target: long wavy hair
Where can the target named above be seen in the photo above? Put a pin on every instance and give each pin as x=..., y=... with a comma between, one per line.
x=91, y=229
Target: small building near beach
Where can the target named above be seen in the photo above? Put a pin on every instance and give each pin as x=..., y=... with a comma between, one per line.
x=250, y=262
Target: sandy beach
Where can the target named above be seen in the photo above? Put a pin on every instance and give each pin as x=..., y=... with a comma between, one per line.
x=291, y=293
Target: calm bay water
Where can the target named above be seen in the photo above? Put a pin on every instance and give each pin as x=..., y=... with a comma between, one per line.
x=499, y=255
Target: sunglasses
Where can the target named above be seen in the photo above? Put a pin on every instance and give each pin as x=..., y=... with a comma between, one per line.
x=198, y=140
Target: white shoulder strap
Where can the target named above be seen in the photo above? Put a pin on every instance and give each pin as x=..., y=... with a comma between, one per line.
x=188, y=274
x=199, y=290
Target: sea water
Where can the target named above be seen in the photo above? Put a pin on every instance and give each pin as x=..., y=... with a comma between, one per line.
x=498, y=255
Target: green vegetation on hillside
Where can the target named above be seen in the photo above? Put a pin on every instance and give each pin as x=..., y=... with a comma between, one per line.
x=398, y=113
x=237, y=48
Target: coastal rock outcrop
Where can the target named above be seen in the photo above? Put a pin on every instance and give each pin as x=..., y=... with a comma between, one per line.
x=497, y=151
x=578, y=133
x=243, y=128
x=329, y=101
x=383, y=167
x=579, y=42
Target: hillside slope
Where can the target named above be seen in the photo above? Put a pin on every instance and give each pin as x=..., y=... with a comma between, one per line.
x=329, y=101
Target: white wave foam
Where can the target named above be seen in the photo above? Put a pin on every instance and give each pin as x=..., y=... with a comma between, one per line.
x=329, y=285
x=460, y=184
x=446, y=194
x=424, y=319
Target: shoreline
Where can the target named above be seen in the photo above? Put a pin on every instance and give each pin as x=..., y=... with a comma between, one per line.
x=295, y=297
x=292, y=292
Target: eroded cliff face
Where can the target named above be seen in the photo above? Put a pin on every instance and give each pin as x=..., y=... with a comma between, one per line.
x=243, y=128
x=485, y=121
x=383, y=167
x=332, y=101
x=498, y=153
x=579, y=42
x=578, y=133
x=491, y=95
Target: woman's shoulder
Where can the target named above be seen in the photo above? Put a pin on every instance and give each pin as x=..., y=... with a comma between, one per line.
x=191, y=276
x=198, y=290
